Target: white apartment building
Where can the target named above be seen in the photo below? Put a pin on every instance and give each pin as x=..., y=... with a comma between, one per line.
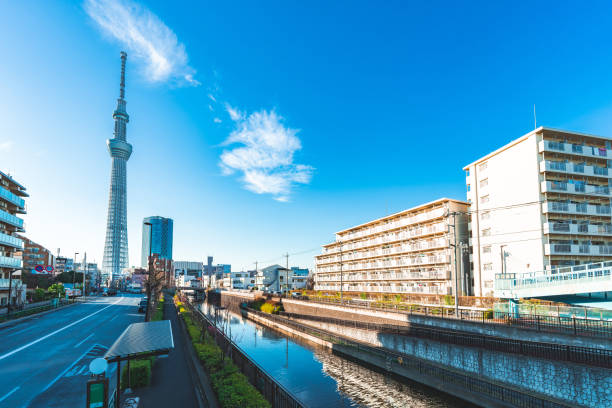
x=539, y=202
x=416, y=251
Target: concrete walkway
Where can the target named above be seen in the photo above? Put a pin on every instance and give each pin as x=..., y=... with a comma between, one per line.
x=173, y=383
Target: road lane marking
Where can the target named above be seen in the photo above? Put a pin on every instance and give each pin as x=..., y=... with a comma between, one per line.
x=10, y=353
x=83, y=341
x=66, y=370
x=9, y=394
x=116, y=316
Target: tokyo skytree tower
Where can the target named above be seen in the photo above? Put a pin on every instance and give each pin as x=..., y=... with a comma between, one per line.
x=116, y=244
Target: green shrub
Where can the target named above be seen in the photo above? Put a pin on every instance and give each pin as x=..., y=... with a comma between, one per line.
x=363, y=296
x=449, y=300
x=231, y=387
x=140, y=373
x=488, y=314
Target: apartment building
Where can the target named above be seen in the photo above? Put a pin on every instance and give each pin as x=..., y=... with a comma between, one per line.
x=35, y=255
x=11, y=204
x=63, y=264
x=540, y=202
x=415, y=251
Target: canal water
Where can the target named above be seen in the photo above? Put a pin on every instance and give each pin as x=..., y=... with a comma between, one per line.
x=318, y=377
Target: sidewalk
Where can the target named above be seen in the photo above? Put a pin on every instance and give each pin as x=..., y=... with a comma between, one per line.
x=172, y=383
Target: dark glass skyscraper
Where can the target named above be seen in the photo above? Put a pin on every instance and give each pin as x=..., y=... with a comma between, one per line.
x=156, y=238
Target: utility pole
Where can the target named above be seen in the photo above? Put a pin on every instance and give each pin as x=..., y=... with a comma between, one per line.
x=74, y=270
x=149, y=278
x=84, y=272
x=503, y=258
x=287, y=271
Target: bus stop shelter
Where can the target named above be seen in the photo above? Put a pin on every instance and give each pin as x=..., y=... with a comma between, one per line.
x=139, y=340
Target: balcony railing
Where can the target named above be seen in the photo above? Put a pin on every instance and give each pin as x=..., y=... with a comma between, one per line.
x=590, y=229
x=12, y=198
x=578, y=188
x=10, y=219
x=583, y=249
x=588, y=151
x=576, y=168
x=10, y=240
x=4, y=283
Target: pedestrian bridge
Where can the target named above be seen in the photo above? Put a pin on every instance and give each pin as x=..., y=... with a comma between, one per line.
x=589, y=278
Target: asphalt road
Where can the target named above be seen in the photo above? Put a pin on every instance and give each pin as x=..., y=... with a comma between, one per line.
x=44, y=361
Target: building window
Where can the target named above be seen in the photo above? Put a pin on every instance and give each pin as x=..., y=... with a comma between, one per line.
x=484, y=199
x=486, y=249
x=486, y=232
x=482, y=166
x=467, y=173
x=485, y=215
x=487, y=267
x=484, y=182
x=468, y=187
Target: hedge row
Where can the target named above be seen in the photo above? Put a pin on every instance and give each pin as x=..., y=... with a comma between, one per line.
x=140, y=373
x=159, y=312
x=230, y=385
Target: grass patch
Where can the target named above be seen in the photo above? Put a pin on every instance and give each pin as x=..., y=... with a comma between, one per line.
x=159, y=311
x=230, y=385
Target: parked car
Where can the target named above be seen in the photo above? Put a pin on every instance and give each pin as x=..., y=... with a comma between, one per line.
x=142, y=306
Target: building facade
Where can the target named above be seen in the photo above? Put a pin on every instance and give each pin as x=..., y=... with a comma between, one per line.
x=156, y=238
x=422, y=250
x=63, y=264
x=539, y=203
x=188, y=268
x=116, y=242
x=12, y=203
x=34, y=255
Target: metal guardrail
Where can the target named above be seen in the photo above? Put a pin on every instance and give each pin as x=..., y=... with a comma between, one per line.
x=475, y=385
x=574, y=354
x=277, y=395
x=552, y=324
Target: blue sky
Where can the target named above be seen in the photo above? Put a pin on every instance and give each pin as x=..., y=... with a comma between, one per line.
x=264, y=127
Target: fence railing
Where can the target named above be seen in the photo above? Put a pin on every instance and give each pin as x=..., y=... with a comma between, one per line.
x=473, y=385
x=554, y=324
x=272, y=390
x=561, y=352
x=26, y=311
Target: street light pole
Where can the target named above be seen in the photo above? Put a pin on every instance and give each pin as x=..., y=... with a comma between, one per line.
x=149, y=297
x=503, y=258
x=74, y=271
x=341, y=277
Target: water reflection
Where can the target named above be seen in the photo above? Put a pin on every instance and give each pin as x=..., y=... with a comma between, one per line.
x=318, y=377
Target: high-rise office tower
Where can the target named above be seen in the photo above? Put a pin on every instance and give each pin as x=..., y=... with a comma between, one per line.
x=156, y=238
x=116, y=244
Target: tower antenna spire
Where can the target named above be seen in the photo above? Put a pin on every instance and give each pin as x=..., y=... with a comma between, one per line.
x=122, y=84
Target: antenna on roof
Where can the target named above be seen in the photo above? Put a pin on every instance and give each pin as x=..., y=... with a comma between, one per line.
x=535, y=122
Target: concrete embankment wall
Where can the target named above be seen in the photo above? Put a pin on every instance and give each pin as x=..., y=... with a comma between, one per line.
x=390, y=317
x=389, y=365
x=576, y=384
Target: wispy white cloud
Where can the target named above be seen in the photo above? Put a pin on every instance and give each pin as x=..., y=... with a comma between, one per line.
x=146, y=37
x=265, y=154
x=234, y=113
x=217, y=120
x=6, y=146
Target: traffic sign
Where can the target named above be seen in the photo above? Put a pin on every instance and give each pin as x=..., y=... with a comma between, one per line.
x=49, y=268
x=39, y=268
x=98, y=365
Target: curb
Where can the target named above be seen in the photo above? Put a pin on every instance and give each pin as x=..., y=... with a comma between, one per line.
x=205, y=388
x=20, y=319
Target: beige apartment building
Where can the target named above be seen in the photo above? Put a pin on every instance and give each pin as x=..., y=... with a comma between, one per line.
x=540, y=202
x=416, y=251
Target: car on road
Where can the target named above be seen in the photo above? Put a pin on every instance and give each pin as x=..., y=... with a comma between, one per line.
x=142, y=306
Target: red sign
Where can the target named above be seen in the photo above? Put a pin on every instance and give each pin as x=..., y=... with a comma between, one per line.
x=49, y=268
x=39, y=268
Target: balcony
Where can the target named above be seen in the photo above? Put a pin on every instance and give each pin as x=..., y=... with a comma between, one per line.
x=11, y=241
x=575, y=208
x=582, y=189
x=576, y=150
x=8, y=262
x=12, y=198
x=575, y=168
x=433, y=290
x=580, y=250
x=385, y=276
x=4, y=283
x=577, y=229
